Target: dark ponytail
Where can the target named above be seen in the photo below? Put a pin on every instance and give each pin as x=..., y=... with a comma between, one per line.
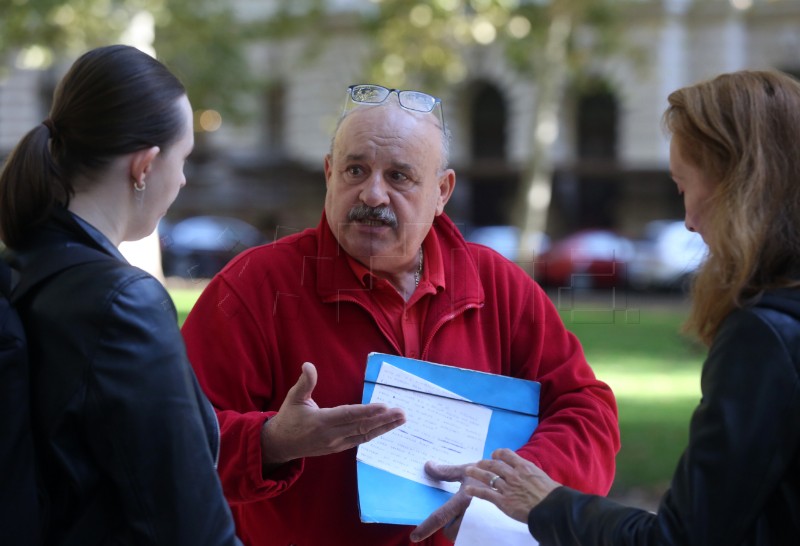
x=30, y=186
x=113, y=101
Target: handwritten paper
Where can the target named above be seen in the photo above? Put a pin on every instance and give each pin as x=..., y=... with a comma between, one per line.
x=445, y=428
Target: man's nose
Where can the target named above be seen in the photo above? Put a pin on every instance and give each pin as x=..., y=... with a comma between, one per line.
x=374, y=192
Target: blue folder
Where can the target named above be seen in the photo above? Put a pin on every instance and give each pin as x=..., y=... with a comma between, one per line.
x=384, y=497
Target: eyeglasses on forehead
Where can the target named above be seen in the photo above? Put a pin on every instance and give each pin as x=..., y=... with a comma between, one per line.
x=376, y=94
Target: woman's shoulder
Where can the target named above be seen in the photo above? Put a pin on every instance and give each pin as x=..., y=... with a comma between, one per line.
x=99, y=283
x=767, y=330
x=780, y=310
x=777, y=308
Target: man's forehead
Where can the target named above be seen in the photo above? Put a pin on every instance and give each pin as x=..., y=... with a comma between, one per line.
x=386, y=122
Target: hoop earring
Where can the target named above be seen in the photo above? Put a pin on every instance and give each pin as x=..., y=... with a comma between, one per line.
x=139, y=185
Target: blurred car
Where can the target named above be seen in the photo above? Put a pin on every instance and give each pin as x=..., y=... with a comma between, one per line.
x=200, y=246
x=667, y=257
x=593, y=258
x=503, y=239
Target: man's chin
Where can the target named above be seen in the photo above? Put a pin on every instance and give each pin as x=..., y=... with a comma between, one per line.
x=369, y=242
x=369, y=253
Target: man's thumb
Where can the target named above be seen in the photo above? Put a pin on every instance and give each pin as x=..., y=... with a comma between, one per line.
x=305, y=385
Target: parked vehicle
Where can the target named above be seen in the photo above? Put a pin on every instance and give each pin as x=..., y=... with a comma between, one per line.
x=200, y=246
x=667, y=257
x=594, y=258
x=503, y=239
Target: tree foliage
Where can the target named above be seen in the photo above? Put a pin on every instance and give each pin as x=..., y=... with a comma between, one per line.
x=432, y=42
x=201, y=40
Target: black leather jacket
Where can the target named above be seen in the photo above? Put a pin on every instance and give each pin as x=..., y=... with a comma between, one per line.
x=126, y=441
x=738, y=482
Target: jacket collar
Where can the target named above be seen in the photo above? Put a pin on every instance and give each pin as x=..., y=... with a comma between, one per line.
x=63, y=241
x=434, y=268
x=63, y=229
x=462, y=284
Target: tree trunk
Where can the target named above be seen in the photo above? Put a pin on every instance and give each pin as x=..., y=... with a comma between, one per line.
x=537, y=184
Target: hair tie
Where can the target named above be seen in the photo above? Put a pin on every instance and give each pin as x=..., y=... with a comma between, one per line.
x=51, y=127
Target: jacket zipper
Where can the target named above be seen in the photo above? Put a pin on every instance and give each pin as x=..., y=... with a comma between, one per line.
x=447, y=318
x=365, y=308
x=444, y=320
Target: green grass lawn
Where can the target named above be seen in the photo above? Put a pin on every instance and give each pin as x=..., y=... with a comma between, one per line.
x=655, y=374
x=653, y=370
x=184, y=299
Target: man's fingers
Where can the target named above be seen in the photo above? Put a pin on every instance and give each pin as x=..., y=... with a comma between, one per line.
x=382, y=428
x=349, y=426
x=303, y=429
x=361, y=418
x=441, y=517
x=392, y=417
x=371, y=433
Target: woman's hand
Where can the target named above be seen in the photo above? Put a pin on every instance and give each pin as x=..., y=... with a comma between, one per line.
x=513, y=484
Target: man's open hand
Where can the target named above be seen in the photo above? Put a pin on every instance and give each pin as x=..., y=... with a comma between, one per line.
x=302, y=429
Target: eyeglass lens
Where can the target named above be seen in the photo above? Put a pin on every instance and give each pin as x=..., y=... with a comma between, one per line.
x=375, y=94
x=415, y=100
x=372, y=94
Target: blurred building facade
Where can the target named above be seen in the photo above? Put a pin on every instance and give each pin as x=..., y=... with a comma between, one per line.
x=611, y=155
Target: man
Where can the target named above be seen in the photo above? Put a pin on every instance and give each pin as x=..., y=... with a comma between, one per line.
x=386, y=271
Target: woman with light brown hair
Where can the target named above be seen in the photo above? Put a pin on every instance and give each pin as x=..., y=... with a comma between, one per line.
x=735, y=158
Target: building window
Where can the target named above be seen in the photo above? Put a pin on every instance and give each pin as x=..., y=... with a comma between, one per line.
x=488, y=123
x=492, y=182
x=597, y=152
x=597, y=125
x=275, y=122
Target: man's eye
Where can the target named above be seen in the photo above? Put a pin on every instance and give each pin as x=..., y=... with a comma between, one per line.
x=398, y=177
x=354, y=171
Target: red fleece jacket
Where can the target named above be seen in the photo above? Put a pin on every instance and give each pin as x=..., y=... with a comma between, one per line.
x=298, y=299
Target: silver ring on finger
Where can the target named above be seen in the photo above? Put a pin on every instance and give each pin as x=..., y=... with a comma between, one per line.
x=494, y=479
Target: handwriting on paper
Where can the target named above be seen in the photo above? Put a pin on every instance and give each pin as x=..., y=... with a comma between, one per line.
x=440, y=426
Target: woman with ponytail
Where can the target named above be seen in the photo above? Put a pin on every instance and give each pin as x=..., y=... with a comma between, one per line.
x=126, y=443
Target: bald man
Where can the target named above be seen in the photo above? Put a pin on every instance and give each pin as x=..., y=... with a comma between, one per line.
x=384, y=271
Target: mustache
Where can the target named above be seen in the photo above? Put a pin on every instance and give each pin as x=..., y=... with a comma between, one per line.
x=381, y=214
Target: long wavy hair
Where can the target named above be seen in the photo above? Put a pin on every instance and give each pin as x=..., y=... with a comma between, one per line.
x=743, y=130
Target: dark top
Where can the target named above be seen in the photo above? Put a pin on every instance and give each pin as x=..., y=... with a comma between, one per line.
x=738, y=482
x=126, y=441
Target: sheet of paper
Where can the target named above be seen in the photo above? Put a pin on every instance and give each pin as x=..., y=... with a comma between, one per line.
x=437, y=428
x=484, y=523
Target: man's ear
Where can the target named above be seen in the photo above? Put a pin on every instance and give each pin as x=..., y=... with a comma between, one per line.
x=447, y=183
x=141, y=162
x=327, y=166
